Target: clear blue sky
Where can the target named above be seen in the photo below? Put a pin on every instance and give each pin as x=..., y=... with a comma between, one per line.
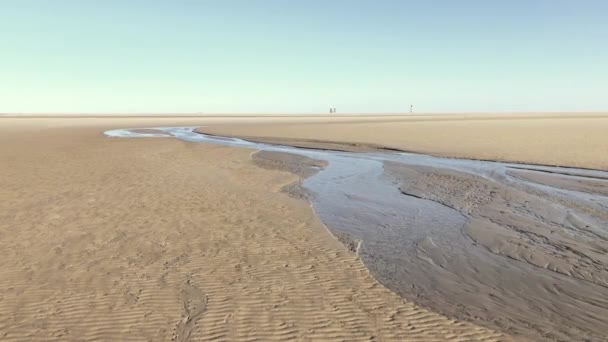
x=303, y=56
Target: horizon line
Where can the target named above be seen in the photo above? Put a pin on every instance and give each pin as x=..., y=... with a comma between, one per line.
x=269, y=114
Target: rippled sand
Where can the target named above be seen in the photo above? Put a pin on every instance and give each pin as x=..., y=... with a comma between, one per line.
x=532, y=259
x=514, y=247
x=530, y=256
x=159, y=239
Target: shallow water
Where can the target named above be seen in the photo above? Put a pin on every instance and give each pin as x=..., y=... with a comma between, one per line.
x=420, y=247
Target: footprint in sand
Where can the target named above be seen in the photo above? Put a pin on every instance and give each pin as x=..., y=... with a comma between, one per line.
x=194, y=302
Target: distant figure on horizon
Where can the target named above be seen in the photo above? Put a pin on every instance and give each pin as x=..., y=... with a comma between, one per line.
x=332, y=110
x=411, y=109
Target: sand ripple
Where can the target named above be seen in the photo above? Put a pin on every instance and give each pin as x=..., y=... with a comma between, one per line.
x=159, y=239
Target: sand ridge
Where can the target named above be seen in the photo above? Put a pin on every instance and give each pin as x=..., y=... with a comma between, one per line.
x=576, y=140
x=159, y=239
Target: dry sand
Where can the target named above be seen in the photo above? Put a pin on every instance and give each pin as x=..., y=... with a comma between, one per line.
x=546, y=274
x=579, y=140
x=159, y=239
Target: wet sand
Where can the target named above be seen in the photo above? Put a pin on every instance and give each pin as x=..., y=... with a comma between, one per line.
x=518, y=259
x=575, y=139
x=514, y=248
x=301, y=166
x=465, y=238
x=531, y=258
x=528, y=254
x=161, y=239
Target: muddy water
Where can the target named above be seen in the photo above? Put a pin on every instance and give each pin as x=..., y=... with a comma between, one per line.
x=518, y=248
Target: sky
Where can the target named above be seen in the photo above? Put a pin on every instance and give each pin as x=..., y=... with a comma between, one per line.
x=288, y=56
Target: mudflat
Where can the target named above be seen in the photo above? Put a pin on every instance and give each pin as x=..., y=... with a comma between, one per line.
x=160, y=239
x=532, y=253
x=528, y=254
x=566, y=139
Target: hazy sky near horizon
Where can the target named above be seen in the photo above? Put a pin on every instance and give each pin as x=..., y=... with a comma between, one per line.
x=118, y=56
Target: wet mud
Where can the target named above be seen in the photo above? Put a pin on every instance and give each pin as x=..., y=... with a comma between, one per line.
x=527, y=260
x=301, y=166
x=514, y=247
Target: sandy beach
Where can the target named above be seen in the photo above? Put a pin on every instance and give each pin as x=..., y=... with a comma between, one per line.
x=336, y=171
x=160, y=239
x=528, y=257
x=567, y=139
x=166, y=239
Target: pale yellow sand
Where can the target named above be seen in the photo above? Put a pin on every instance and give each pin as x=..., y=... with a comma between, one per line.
x=158, y=239
x=579, y=140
